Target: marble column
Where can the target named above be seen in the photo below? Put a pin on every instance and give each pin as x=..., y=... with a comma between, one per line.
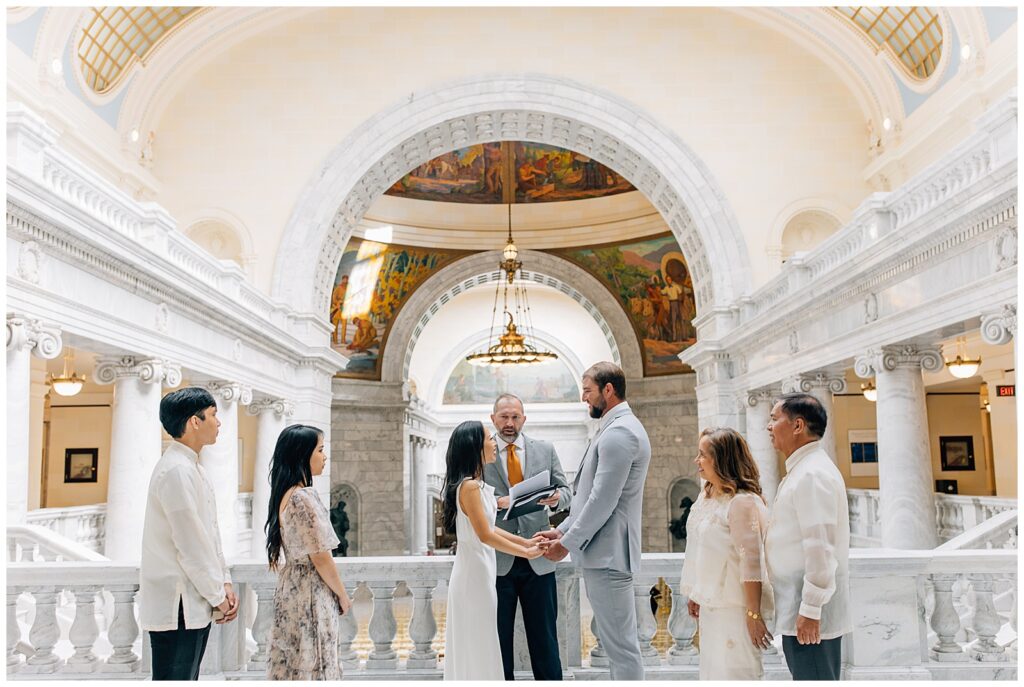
x=420, y=503
x=135, y=443
x=25, y=338
x=905, y=483
x=38, y=414
x=272, y=416
x=822, y=385
x=997, y=329
x=220, y=460
x=759, y=410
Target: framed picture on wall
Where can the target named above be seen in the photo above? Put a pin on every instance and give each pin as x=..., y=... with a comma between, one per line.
x=81, y=465
x=957, y=453
x=863, y=453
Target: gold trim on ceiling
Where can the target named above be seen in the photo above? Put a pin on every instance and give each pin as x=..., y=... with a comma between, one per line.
x=912, y=35
x=113, y=38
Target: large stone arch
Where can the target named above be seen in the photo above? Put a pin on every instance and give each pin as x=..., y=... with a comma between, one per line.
x=530, y=107
x=482, y=268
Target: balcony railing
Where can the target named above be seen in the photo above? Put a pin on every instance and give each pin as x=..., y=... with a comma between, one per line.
x=927, y=614
x=86, y=525
x=954, y=515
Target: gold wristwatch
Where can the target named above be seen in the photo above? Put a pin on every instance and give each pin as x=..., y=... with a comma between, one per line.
x=751, y=614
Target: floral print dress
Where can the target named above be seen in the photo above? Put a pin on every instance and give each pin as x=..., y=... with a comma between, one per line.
x=304, y=638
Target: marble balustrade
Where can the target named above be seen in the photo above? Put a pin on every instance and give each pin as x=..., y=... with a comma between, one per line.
x=86, y=525
x=954, y=514
x=966, y=599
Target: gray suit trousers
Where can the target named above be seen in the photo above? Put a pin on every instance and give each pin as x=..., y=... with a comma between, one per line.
x=611, y=596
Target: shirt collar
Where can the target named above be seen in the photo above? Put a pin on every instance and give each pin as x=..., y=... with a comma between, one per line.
x=519, y=443
x=798, y=455
x=185, y=451
x=614, y=413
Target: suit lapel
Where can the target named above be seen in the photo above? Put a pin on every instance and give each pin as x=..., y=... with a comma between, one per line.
x=593, y=442
x=500, y=466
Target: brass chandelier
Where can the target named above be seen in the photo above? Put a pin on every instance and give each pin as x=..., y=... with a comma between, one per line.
x=511, y=347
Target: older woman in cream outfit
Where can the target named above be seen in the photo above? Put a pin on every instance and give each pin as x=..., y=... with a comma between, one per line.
x=723, y=570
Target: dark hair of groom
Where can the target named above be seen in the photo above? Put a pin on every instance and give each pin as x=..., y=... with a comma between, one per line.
x=178, y=406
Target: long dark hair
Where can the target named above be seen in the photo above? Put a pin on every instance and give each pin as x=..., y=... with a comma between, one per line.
x=734, y=465
x=465, y=458
x=289, y=467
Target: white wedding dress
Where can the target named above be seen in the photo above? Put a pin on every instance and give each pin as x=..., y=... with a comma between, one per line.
x=471, y=649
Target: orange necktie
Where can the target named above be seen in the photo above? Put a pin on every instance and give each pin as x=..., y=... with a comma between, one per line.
x=515, y=470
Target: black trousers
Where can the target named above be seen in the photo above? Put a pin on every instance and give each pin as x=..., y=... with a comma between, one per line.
x=539, y=597
x=177, y=654
x=813, y=661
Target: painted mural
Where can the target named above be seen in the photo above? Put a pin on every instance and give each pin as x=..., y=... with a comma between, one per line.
x=548, y=382
x=651, y=279
x=535, y=173
x=372, y=283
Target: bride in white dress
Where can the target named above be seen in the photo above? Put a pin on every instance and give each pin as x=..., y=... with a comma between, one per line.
x=724, y=574
x=471, y=634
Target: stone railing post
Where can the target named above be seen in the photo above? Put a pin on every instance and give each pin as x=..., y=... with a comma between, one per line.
x=945, y=621
x=682, y=628
x=123, y=630
x=13, y=631
x=422, y=627
x=347, y=635
x=383, y=627
x=84, y=632
x=646, y=624
x=261, y=627
x=44, y=633
x=986, y=621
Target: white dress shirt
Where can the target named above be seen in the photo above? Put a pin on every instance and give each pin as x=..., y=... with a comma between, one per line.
x=520, y=445
x=182, y=557
x=807, y=545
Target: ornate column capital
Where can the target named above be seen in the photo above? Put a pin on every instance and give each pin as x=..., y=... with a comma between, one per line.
x=889, y=358
x=109, y=369
x=278, y=406
x=809, y=382
x=230, y=392
x=28, y=334
x=999, y=327
x=765, y=394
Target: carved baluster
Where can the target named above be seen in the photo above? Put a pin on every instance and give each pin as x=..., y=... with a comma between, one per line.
x=44, y=633
x=347, y=635
x=945, y=621
x=646, y=624
x=123, y=630
x=986, y=621
x=422, y=627
x=13, y=631
x=84, y=632
x=598, y=656
x=682, y=628
x=1011, y=646
x=383, y=627
x=261, y=627
x=12, y=549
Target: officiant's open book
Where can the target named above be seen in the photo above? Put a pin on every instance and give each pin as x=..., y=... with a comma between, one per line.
x=523, y=497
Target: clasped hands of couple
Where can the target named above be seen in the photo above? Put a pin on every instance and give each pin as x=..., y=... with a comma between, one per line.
x=546, y=544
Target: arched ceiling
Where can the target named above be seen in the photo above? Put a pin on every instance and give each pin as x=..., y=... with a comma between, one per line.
x=913, y=35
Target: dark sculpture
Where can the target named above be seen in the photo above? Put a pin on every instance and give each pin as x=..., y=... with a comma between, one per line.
x=678, y=525
x=340, y=523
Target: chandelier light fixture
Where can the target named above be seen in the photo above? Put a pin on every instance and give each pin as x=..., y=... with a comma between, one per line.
x=512, y=347
x=963, y=367
x=68, y=383
x=869, y=391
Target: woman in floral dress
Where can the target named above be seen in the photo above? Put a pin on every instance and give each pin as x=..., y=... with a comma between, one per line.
x=310, y=595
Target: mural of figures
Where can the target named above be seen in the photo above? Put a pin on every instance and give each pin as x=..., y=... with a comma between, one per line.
x=548, y=382
x=652, y=281
x=373, y=281
x=539, y=173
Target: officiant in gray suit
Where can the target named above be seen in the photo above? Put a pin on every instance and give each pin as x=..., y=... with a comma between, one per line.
x=531, y=582
x=603, y=528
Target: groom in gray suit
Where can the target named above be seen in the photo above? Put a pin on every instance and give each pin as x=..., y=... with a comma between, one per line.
x=531, y=583
x=603, y=528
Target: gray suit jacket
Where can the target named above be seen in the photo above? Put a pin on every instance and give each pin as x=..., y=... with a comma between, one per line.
x=603, y=529
x=540, y=456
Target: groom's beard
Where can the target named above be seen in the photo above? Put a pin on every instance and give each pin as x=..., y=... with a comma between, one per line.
x=597, y=411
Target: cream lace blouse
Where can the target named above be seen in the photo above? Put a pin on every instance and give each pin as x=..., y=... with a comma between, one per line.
x=724, y=548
